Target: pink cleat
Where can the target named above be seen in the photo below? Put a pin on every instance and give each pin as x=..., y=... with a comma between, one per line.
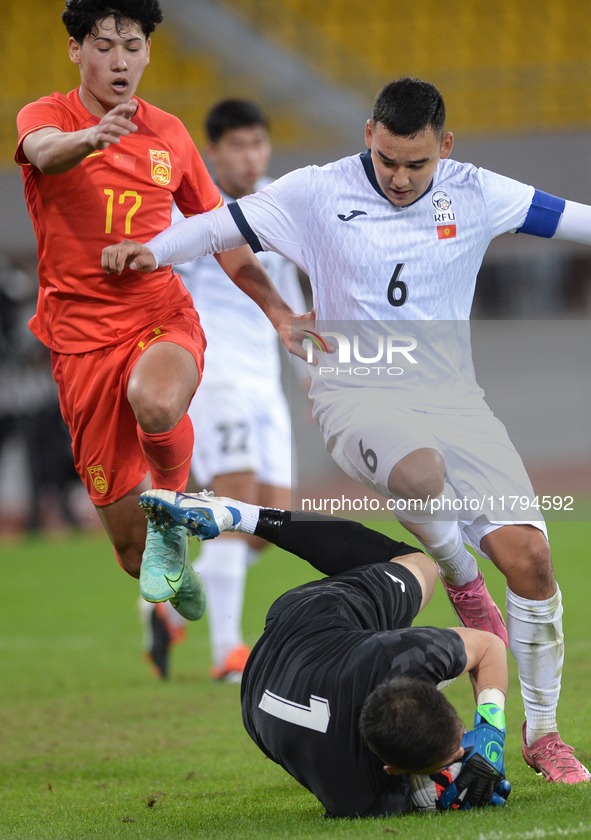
x=554, y=760
x=475, y=608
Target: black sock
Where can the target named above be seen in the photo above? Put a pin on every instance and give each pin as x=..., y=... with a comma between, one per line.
x=330, y=544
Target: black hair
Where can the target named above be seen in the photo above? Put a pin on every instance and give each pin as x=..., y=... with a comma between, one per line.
x=233, y=113
x=81, y=17
x=409, y=724
x=408, y=106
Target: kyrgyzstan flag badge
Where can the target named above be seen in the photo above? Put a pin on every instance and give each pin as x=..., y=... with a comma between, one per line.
x=446, y=231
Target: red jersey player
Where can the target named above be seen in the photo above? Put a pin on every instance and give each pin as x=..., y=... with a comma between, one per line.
x=99, y=164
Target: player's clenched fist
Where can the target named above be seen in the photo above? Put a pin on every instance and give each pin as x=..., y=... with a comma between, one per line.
x=128, y=254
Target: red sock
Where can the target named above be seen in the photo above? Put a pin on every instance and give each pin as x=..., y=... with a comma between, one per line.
x=169, y=455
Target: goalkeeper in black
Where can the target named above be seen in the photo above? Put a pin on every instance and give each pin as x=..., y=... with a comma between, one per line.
x=340, y=689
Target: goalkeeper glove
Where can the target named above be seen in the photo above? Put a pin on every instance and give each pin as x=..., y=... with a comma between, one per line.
x=483, y=763
x=501, y=793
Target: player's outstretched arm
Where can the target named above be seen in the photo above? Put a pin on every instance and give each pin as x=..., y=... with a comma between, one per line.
x=189, y=239
x=484, y=763
x=486, y=660
x=55, y=152
x=575, y=223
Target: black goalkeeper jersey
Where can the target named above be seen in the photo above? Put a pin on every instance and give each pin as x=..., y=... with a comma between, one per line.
x=325, y=647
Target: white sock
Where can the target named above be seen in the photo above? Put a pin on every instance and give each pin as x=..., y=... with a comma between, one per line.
x=443, y=540
x=537, y=643
x=222, y=566
x=249, y=516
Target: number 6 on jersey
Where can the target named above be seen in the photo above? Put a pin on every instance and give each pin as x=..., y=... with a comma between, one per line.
x=397, y=289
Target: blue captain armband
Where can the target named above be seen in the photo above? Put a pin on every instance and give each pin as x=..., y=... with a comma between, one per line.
x=543, y=215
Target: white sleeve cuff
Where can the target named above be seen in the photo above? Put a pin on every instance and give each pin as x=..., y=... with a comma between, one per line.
x=207, y=233
x=575, y=223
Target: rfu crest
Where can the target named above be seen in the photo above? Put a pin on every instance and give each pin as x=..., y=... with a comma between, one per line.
x=441, y=200
x=161, y=168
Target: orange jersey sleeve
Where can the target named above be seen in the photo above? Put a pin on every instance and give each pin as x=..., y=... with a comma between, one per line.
x=125, y=191
x=46, y=112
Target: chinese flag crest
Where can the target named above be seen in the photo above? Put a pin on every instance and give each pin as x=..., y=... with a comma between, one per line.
x=161, y=168
x=98, y=478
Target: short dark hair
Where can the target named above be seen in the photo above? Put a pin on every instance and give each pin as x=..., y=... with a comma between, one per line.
x=233, y=113
x=408, y=106
x=81, y=17
x=409, y=724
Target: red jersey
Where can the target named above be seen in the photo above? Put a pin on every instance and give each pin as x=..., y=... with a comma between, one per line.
x=125, y=191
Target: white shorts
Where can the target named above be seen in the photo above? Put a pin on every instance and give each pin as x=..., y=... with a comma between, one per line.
x=368, y=438
x=241, y=429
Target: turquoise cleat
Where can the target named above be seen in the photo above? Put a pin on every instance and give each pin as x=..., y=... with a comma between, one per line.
x=164, y=563
x=167, y=575
x=190, y=600
x=204, y=515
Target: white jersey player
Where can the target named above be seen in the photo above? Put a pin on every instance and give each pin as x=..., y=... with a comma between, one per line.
x=242, y=432
x=240, y=416
x=398, y=234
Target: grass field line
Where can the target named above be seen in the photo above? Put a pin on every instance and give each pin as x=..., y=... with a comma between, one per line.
x=535, y=834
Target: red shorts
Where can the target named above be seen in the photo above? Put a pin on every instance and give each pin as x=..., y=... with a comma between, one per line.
x=93, y=399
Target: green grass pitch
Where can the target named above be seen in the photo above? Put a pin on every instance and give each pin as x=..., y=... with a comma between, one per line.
x=92, y=746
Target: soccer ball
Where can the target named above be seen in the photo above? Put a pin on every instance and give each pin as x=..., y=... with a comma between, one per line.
x=426, y=790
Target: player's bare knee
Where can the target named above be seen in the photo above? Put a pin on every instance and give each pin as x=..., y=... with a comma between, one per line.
x=527, y=563
x=534, y=568
x=425, y=571
x=158, y=418
x=155, y=411
x=420, y=475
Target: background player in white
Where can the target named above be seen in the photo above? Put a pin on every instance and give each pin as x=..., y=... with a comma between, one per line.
x=375, y=235
x=241, y=419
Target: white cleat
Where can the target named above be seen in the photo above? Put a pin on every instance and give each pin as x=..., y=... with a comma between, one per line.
x=204, y=515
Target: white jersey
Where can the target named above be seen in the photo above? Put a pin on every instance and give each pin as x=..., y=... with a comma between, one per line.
x=241, y=341
x=370, y=261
